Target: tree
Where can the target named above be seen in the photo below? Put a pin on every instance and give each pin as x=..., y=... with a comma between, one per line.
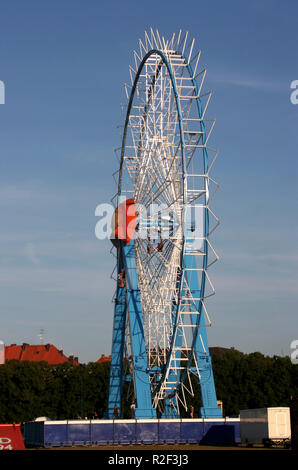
x=65, y=391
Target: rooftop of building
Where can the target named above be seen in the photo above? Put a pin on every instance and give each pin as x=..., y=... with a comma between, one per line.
x=37, y=353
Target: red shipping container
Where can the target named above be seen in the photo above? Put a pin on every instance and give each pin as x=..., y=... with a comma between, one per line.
x=11, y=437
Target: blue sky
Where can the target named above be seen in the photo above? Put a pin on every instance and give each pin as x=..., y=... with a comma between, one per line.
x=64, y=64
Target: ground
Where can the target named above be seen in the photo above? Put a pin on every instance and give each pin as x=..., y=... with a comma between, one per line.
x=165, y=448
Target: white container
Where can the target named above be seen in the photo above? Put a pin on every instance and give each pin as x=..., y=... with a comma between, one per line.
x=263, y=425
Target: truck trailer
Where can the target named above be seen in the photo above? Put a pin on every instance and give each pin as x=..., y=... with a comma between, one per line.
x=268, y=426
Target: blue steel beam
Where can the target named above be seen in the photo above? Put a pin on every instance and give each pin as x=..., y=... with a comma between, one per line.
x=200, y=350
x=210, y=408
x=116, y=367
x=144, y=407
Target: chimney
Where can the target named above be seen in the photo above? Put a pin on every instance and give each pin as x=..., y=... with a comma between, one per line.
x=72, y=359
x=48, y=347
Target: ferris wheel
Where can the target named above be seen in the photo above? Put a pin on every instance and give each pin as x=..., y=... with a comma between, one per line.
x=162, y=226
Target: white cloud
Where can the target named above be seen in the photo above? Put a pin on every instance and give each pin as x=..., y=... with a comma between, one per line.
x=39, y=248
x=70, y=282
x=261, y=84
x=274, y=257
x=37, y=192
x=254, y=285
x=11, y=193
x=30, y=254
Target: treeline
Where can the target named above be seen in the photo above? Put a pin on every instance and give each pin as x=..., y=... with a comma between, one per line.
x=64, y=391
x=253, y=380
x=29, y=390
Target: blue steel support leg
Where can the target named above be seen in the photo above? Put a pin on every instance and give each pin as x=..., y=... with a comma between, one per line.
x=144, y=407
x=209, y=408
x=170, y=411
x=208, y=393
x=116, y=367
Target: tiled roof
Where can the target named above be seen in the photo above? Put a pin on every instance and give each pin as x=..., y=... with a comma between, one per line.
x=38, y=352
x=12, y=352
x=104, y=358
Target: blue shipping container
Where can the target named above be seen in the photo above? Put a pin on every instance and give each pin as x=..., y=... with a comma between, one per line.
x=118, y=432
